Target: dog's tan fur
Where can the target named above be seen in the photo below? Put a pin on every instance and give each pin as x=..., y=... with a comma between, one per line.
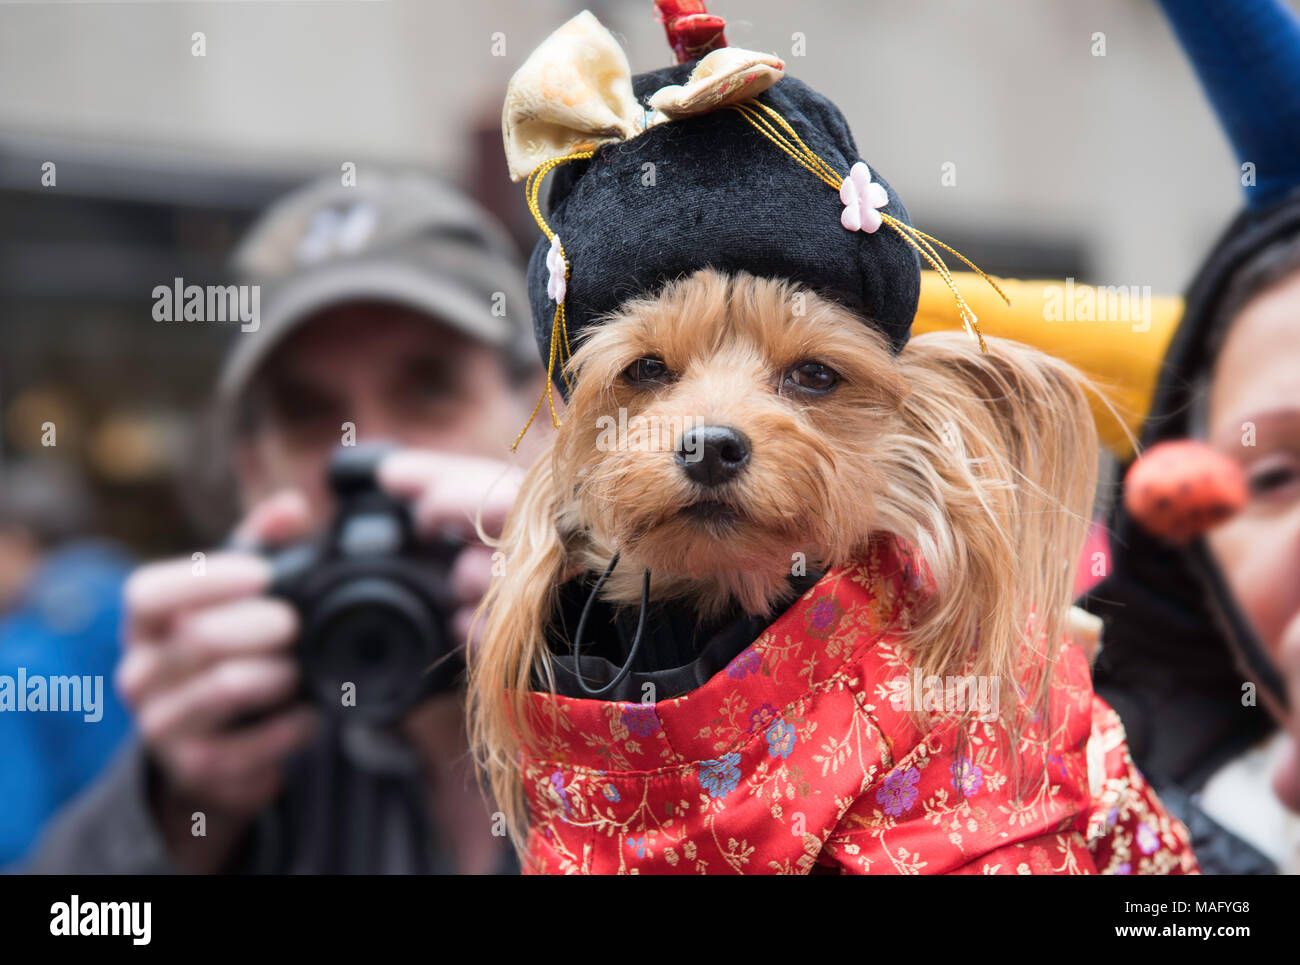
x=984, y=462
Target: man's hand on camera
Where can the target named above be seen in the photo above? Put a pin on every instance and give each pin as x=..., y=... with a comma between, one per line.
x=204, y=647
x=447, y=494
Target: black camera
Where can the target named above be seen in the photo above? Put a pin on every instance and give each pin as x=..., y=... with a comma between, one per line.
x=373, y=599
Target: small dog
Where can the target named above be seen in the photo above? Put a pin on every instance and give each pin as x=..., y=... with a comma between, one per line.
x=793, y=429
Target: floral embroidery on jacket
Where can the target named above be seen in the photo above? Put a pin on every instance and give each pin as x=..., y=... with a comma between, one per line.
x=799, y=754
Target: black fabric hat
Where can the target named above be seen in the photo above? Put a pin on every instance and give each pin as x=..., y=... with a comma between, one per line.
x=720, y=194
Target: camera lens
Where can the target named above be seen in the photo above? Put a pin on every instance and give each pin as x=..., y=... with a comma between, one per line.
x=369, y=647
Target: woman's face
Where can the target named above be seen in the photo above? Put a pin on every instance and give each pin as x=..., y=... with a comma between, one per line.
x=1254, y=417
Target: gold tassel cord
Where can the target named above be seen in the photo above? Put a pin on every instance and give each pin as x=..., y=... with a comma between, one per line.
x=826, y=172
x=803, y=155
x=968, y=317
x=559, y=326
x=969, y=264
x=787, y=139
x=548, y=393
x=531, y=190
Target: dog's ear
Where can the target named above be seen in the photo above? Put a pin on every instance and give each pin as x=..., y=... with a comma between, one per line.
x=513, y=617
x=1010, y=463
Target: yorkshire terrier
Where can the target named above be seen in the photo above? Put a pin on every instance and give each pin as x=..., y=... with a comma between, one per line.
x=790, y=427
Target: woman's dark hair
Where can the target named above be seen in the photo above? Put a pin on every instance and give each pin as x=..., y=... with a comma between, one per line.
x=1272, y=266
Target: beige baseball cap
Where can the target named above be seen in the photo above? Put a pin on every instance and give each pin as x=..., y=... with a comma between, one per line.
x=394, y=237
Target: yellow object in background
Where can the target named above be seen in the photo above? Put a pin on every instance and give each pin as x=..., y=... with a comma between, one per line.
x=1116, y=335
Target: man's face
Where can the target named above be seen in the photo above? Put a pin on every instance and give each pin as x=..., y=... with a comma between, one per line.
x=387, y=371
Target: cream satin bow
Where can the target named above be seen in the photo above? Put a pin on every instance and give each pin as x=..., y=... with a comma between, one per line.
x=574, y=93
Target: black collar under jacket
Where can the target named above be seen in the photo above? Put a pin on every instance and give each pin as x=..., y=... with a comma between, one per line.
x=1177, y=652
x=678, y=653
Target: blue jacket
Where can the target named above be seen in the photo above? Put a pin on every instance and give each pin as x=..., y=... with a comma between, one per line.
x=66, y=623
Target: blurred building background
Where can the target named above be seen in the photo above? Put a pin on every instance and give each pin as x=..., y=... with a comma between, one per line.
x=1068, y=160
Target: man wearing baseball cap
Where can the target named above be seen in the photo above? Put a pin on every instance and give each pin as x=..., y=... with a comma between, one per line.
x=394, y=309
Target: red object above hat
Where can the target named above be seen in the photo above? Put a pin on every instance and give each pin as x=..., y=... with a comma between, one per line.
x=692, y=31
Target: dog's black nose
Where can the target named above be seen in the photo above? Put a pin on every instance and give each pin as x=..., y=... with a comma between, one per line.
x=711, y=455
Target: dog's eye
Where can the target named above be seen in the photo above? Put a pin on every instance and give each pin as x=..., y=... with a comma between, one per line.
x=812, y=377
x=646, y=370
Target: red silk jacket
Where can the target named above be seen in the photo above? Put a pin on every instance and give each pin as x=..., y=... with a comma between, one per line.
x=801, y=756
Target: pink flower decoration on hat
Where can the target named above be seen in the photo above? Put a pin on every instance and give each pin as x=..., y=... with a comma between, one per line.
x=861, y=197
x=555, y=285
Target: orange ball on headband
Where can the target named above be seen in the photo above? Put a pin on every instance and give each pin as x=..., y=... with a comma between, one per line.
x=1178, y=490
